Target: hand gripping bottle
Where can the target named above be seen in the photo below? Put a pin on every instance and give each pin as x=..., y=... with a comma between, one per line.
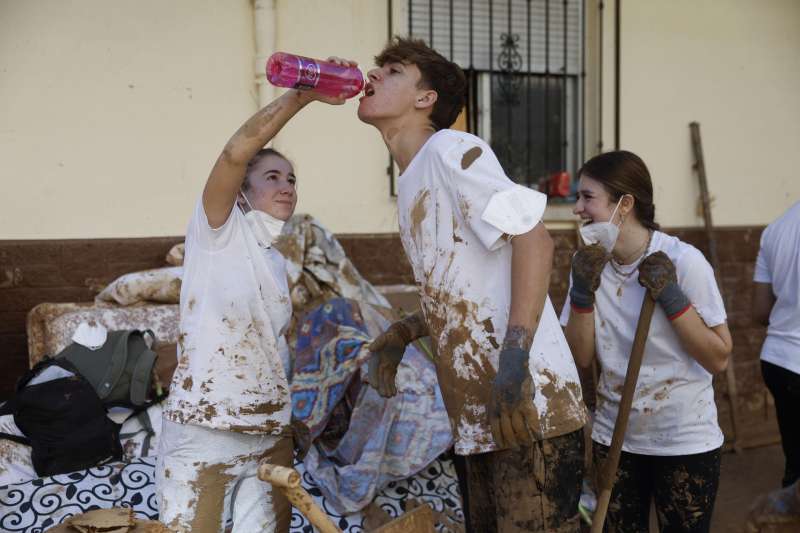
x=298, y=72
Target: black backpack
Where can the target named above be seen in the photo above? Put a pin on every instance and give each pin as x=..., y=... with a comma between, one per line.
x=64, y=422
x=65, y=419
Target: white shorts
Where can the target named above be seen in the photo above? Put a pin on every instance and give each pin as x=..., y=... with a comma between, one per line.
x=206, y=476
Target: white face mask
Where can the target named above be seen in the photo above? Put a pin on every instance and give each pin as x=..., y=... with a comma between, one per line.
x=265, y=227
x=603, y=233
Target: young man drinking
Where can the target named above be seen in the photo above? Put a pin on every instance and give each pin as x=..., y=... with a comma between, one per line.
x=482, y=259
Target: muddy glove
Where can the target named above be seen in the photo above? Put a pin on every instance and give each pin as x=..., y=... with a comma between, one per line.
x=387, y=352
x=587, y=266
x=301, y=437
x=512, y=414
x=657, y=275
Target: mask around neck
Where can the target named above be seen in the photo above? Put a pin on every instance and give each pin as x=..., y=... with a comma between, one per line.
x=603, y=233
x=265, y=227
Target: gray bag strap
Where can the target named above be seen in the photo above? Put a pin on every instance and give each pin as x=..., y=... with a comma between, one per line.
x=147, y=427
x=119, y=356
x=140, y=380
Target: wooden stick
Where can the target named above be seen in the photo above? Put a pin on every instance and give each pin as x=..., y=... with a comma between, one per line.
x=608, y=472
x=287, y=480
x=700, y=166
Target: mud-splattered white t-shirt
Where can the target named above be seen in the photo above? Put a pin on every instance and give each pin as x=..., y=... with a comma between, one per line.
x=235, y=308
x=456, y=209
x=673, y=410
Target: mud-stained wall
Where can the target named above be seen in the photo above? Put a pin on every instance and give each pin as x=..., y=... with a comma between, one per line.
x=32, y=272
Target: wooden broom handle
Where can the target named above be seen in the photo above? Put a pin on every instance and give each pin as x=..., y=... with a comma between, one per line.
x=608, y=471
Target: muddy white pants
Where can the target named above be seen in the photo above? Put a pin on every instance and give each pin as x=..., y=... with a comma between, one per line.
x=205, y=476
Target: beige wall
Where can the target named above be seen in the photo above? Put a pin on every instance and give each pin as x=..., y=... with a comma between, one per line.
x=341, y=162
x=112, y=112
x=731, y=65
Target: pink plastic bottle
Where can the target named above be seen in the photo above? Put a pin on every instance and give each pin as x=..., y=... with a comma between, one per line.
x=298, y=72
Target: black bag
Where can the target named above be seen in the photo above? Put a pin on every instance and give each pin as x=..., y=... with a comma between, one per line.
x=64, y=422
x=65, y=419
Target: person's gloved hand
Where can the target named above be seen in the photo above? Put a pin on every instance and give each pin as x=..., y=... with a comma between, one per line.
x=512, y=415
x=587, y=267
x=657, y=275
x=387, y=352
x=301, y=437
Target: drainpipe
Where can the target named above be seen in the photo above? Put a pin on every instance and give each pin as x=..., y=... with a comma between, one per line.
x=266, y=36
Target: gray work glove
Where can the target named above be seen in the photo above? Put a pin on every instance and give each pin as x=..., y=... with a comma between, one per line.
x=387, y=352
x=657, y=275
x=587, y=267
x=301, y=437
x=512, y=414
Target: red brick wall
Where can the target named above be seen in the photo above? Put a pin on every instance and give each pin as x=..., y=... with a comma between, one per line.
x=73, y=270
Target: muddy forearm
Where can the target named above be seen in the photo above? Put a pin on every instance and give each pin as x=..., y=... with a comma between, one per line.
x=262, y=127
x=580, y=337
x=229, y=171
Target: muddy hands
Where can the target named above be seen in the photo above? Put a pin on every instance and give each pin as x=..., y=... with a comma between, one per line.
x=657, y=274
x=301, y=437
x=387, y=352
x=587, y=267
x=512, y=414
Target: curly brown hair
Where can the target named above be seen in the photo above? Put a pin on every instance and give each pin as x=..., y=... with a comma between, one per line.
x=437, y=73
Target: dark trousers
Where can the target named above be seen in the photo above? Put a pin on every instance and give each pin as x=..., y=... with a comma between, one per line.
x=683, y=488
x=534, y=488
x=784, y=385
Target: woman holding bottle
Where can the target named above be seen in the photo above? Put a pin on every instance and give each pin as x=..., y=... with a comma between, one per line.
x=671, y=452
x=229, y=404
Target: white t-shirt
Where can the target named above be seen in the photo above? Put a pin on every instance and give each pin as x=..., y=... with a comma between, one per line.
x=673, y=410
x=462, y=265
x=235, y=308
x=778, y=263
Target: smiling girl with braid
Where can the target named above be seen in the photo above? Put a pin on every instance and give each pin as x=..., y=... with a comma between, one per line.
x=672, y=446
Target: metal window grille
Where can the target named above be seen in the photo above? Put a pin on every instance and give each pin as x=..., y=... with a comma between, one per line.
x=525, y=66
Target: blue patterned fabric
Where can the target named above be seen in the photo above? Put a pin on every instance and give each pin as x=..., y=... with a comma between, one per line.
x=385, y=440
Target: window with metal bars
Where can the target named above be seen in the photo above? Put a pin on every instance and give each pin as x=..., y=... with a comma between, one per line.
x=525, y=66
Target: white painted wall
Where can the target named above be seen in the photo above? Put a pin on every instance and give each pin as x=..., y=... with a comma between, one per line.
x=112, y=112
x=341, y=162
x=734, y=67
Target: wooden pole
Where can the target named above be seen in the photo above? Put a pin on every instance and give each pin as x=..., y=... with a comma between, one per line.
x=287, y=480
x=608, y=471
x=700, y=167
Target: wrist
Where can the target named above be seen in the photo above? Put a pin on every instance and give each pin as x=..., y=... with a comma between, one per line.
x=518, y=337
x=673, y=301
x=581, y=300
x=412, y=327
x=297, y=98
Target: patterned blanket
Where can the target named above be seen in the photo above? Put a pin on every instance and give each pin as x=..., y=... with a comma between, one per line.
x=363, y=441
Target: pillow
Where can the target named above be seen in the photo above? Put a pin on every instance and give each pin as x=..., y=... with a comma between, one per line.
x=160, y=285
x=175, y=255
